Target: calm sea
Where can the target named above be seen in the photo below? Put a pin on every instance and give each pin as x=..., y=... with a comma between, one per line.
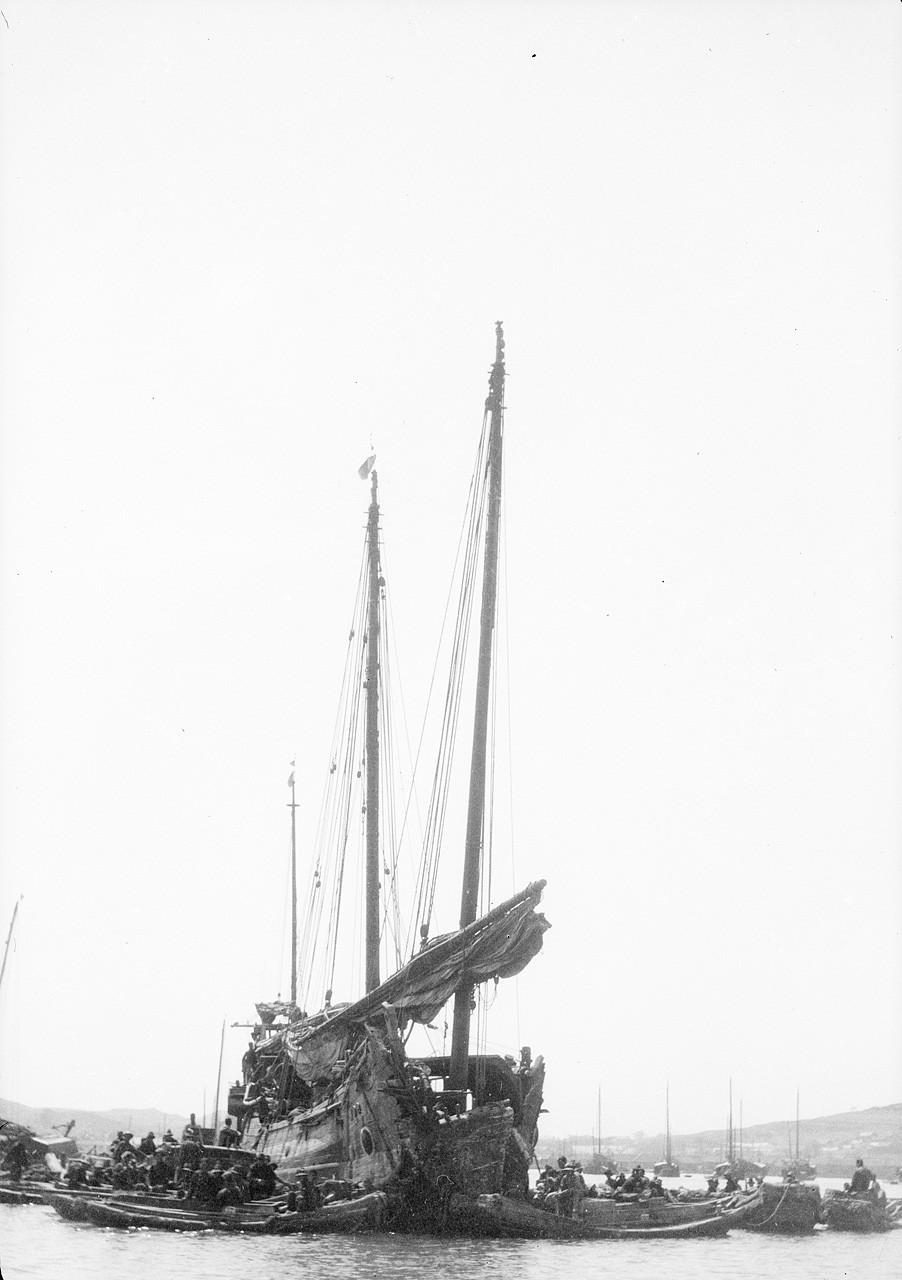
x=36, y=1244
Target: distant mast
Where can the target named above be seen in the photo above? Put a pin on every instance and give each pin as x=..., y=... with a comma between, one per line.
x=667, y=1154
x=372, y=745
x=9, y=937
x=797, y=1127
x=494, y=408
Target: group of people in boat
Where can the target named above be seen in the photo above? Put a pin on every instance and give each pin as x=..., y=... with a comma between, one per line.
x=562, y=1189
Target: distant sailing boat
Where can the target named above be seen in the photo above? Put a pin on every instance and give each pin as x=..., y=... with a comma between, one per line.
x=668, y=1167
x=795, y=1167
x=335, y=1092
x=736, y=1164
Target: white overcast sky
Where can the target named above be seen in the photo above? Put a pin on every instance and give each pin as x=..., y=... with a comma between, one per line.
x=242, y=242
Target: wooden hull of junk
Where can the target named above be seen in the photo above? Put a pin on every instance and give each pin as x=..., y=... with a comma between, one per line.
x=343, y=1100
x=362, y=1213
x=605, y=1219
x=844, y=1212
x=786, y=1207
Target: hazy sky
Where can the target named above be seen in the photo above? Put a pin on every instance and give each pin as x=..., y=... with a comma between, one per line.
x=242, y=243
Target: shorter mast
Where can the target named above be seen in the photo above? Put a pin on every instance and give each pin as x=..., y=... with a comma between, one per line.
x=372, y=745
x=218, y=1083
x=667, y=1153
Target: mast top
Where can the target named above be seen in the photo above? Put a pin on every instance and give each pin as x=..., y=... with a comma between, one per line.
x=496, y=377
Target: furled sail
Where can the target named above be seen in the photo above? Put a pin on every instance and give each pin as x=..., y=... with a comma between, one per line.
x=499, y=944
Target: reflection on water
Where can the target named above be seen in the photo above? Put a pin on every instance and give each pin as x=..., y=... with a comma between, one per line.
x=36, y=1244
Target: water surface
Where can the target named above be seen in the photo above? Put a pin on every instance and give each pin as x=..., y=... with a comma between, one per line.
x=36, y=1244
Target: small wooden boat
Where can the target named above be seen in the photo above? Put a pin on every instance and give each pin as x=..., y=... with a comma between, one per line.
x=654, y=1219
x=71, y=1204
x=844, y=1211
x=361, y=1213
x=368, y=1212
x=786, y=1206
x=107, y=1213
x=24, y=1192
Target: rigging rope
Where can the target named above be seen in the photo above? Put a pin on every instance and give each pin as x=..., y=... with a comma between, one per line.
x=438, y=805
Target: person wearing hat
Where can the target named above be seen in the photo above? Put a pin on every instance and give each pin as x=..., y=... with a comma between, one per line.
x=861, y=1179
x=147, y=1146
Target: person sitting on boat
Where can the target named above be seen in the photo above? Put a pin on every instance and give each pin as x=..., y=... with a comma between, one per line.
x=656, y=1189
x=232, y=1190
x=199, y=1189
x=158, y=1173
x=227, y=1135
x=861, y=1179
x=217, y=1181
x=191, y=1131
x=147, y=1146
x=261, y=1179
x=121, y=1143
x=713, y=1184
x=76, y=1174
x=309, y=1195
x=543, y=1185
x=578, y=1190
x=731, y=1184
x=123, y=1179
x=16, y=1160
x=169, y=1139
x=636, y=1183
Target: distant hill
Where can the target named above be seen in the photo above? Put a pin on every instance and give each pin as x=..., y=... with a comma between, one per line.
x=92, y=1128
x=831, y=1142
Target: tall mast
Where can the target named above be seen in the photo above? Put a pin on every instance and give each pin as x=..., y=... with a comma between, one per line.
x=294, y=896
x=372, y=746
x=730, y=1149
x=494, y=408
